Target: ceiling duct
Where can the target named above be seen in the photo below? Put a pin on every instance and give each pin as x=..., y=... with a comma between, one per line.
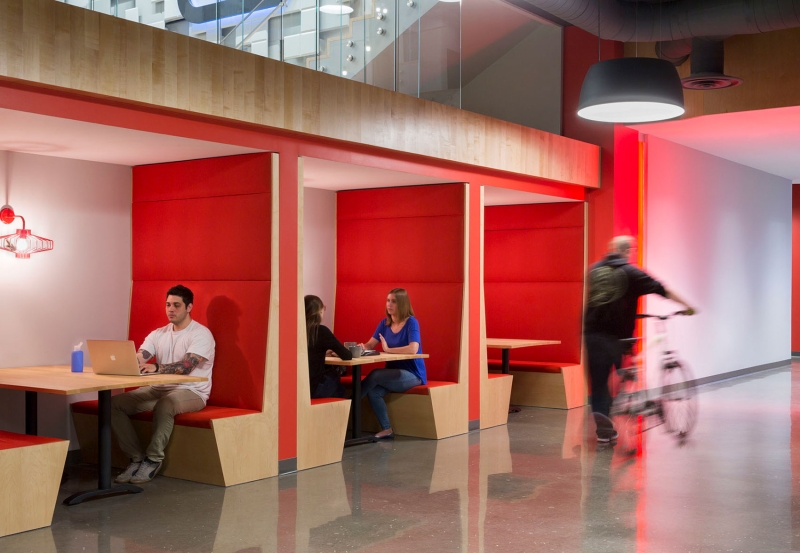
x=708, y=65
x=674, y=20
x=679, y=28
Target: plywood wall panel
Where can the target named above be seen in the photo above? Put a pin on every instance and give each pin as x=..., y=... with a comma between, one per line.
x=55, y=44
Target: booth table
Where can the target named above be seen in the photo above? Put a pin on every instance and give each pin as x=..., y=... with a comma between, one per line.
x=507, y=344
x=356, y=363
x=61, y=380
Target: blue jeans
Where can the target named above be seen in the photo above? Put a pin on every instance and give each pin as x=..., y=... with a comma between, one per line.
x=382, y=381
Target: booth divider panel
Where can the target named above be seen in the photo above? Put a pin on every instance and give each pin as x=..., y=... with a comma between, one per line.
x=203, y=178
x=541, y=310
x=412, y=238
x=534, y=278
x=533, y=216
x=222, y=238
x=207, y=224
x=534, y=255
x=406, y=201
x=414, y=249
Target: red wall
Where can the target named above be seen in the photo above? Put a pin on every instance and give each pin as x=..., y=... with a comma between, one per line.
x=796, y=267
x=533, y=278
x=412, y=238
x=206, y=224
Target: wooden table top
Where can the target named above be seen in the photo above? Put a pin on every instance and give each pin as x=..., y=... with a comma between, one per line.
x=59, y=379
x=510, y=343
x=380, y=358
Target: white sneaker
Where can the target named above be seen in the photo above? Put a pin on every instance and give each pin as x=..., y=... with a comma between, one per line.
x=605, y=428
x=127, y=474
x=147, y=471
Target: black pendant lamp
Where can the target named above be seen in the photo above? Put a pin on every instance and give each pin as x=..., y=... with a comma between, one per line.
x=631, y=90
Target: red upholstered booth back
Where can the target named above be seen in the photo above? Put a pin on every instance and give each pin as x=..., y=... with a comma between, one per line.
x=207, y=224
x=533, y=278
x=410, y=238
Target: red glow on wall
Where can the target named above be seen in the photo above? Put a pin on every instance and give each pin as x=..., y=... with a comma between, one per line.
x=796, y=267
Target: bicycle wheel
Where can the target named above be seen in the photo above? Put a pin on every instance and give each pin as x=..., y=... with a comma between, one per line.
x=678, y=399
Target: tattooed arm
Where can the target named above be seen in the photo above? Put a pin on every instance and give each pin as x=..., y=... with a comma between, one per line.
x=143, y=356
x=190, y=361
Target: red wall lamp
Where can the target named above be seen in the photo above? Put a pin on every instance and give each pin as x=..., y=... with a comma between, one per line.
x=22, y=243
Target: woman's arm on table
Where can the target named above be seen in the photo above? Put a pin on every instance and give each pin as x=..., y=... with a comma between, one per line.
x=412, y=347
x=332, y=344
x=370, y=344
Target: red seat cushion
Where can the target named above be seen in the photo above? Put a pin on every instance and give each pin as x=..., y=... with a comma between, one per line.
x=425, y=389
x=198, y=419
x=530, y=366
x=321, y=400
x=498, y=375
x=11, y=440
x=347, y=382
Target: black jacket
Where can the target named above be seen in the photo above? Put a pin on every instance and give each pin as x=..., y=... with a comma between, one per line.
x=316, y=355
x=615, y=287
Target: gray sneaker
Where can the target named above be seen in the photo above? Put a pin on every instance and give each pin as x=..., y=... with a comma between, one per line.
x=147, y=471
x=128, y=473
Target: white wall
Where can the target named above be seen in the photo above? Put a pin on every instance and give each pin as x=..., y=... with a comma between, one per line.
x=720, y=235
x=319, y=247
x=523, y=86
x=80, y=289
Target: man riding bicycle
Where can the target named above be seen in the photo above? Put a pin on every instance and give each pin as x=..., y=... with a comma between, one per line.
x=615, y=286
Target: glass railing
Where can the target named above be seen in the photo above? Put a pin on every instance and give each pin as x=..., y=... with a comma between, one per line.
x=411, y=46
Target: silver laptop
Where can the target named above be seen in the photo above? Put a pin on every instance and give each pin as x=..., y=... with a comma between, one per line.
x=114, y=357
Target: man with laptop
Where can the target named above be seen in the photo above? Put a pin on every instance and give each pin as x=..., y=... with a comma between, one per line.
x=184, y=346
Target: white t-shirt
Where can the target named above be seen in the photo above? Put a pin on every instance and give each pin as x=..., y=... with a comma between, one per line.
x=170, y=347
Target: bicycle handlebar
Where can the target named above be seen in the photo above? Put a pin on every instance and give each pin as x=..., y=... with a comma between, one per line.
x=685, y=312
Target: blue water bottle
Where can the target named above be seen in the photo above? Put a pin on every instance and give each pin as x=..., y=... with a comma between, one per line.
x=77, y=358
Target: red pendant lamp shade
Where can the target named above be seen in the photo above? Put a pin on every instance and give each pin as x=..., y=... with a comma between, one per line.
x=22, y=243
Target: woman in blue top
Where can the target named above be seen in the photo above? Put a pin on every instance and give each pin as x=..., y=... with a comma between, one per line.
x=398, y=333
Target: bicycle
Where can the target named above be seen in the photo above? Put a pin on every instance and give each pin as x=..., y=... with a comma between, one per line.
x=673, y=404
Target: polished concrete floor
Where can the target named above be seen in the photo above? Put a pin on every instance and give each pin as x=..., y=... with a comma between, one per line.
x=539, y=484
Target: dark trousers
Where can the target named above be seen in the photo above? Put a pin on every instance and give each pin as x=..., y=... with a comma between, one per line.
x=329, y=386
x=604, y=352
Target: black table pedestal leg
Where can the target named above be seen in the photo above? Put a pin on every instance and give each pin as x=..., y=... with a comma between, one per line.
x=31, y=413
x=104, y=487
x=356, y=434
x=507, y=370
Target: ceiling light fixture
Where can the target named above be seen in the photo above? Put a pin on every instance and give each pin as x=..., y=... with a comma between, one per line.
x=22, y=243
x=335, y=9
x=631, y=90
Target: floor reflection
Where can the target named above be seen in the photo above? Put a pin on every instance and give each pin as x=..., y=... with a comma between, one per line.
x=538, y=484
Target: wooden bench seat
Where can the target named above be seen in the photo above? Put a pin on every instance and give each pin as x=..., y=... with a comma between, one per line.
x=423, y=411
x=325, y=429
x=205, y=446
x=30, y=474
x=545, y=384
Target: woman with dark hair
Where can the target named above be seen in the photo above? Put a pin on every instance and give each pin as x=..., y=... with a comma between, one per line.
x=397, y=333
x=324, y=381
